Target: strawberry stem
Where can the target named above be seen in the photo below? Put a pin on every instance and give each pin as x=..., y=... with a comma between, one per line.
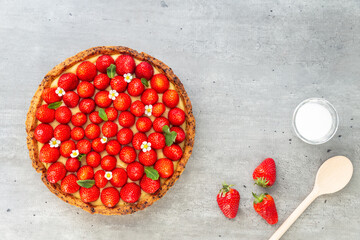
x=259, y=198
x=262, y=182
x=226, y=188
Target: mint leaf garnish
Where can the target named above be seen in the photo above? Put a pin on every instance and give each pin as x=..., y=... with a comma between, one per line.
x=151, y=173
x=169, y=136
x=80, y=156
x=111, y=71
x=85, y=183
x=145, y=82
x=54, y=105
x=102, y=114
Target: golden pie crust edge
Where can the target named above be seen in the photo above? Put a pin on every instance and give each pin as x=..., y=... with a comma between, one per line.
x=36, y=101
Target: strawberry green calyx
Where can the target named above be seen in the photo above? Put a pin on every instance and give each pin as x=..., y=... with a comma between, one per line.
x=260, y=198
x=225, y=189
x=262, y=182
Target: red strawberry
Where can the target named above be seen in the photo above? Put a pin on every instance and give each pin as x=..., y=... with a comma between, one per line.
x=176, y=116
x=180, y=134
x=100, y=180
x=85, y=172
x=144, y=70
x=66, y=148
x=110, y=196
x=148, y=158
x=126, y=119
x=62, y=132
x=86, y=106
x=158, y=109
x=93, y=159
x=174, y=152
x=265, y=174
x=119, y=177
x=149, y=97
x=109, y=129
x=49, y=95
x=43, y=132
x=264, y=205
x=56, y=172
x=228, y=200
x=137, y=108
x=97, y=145
x=135, y=171
x=160, y=83
x=48, y=154
x=143, y=124
x=69, y=184
x=101, y=81
x=95, y=118
x=127, y=154
x=78, y=119
x=111, y=113
x=45, y=114
x=113, y=147
x=103, y=62
x=124, y=64
x=85, y=90
x=63, y=115
x=124, y=136
x=130, y=193
x=71, y=99
x=68, y=81
x=138, y=139
x=84, y=146
x=86, y=71
x=122, y=102
x=135, y=87
x=165, y=167
x=157, y=140
x=77, y=133
x=148, y=185
x=89, y=194
x=72, y=164
x=118, y=83
x=159, y=123
x=170, y=98
x=92, y=131
x=102, y=99
x=108, y=163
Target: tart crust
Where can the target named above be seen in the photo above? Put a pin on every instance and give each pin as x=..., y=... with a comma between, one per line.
x=36, y=101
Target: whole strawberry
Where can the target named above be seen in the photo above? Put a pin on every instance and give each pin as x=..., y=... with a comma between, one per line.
x=265, y=174
x=264, y=205
x=228, y=200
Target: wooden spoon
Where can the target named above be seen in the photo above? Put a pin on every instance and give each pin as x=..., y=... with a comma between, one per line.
x=333, y=175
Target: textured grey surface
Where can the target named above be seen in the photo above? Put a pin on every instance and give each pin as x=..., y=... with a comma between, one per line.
x=245, y=65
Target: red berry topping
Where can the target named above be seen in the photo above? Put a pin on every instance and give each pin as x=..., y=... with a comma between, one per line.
x=165, y=167
x=135, y=87
x=109, y=129
x=71, y=99
x=92, y=131
x=144, y=70
x=69, y=184
x=119, y=177
x=159, y=123
x=118, y=83
x=110, y=197
x=158, y=109
x=86, y=71
x=49, y=95
x=180, y=134
x=148, y=185
x=45, y=114
x=102, y=99
x=135, y=171
x=97, y=145
x=95, y=118
x=148, y=158
x=68, y=81
x=127, y=154
x=137, y=108
x=85, y=172
x=160, y=83
x=108, y=163
x=103, y=62
x=101, y=81
x=130, y=193
x=86, y=106
x=56, y=172
x=48, y=154
x=126, y=119
x=89, y=194
x=78, y=119
x=63, y=115
x=170, y=98
x=124, y=136
x=176, y=116
x=174, y=152
x=113, y=147
x=149, y=97
x=85, y=89
x=124, y=64
x=84, y=146
x=100, y=180
x=62, y=132
x=157, y=140
x=43, y=133
x=138, y=139
x=77, y=133
x=67, y=147
x=111, y=113
x=122, y=102
x=93, y=159
x=143, y=124
x=72, y=164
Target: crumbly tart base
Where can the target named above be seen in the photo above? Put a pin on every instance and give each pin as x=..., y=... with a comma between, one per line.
x=36, y=101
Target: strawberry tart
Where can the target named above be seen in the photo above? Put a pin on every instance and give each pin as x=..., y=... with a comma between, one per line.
x=110, y=130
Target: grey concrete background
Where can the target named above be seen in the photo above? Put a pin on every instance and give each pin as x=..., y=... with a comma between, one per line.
x=245, y=65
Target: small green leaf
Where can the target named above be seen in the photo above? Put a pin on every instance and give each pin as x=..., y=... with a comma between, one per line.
x=166, y=129
x=102, y=114
x=151, y=173
x=111, y=71
x=145, y=82
x=86, y=183
x=169, y=136
x=80, y=156
x=54, y=105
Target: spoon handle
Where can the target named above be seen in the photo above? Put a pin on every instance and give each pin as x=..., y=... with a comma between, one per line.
x=292, y=218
